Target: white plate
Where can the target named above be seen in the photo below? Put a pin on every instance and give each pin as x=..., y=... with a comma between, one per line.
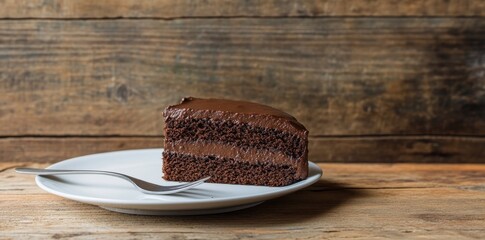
x=119, y=195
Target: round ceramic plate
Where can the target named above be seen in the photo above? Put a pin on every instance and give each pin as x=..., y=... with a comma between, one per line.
x=119, y=195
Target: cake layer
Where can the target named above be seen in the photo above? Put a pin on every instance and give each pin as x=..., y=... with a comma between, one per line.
x=187, y=168
x=236, y=111
x=252, y=156
x=242, y=135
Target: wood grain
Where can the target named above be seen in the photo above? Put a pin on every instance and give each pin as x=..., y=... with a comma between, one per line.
x=352, y=201
x=236, y=8
x=346, y=76
x=354, y=149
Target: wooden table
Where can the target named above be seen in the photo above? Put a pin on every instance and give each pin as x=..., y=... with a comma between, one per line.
x=357, y=201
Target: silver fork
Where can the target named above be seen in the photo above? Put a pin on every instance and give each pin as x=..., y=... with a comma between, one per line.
x=145, y=187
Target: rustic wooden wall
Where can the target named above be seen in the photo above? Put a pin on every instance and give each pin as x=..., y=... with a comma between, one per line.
x=373, y=81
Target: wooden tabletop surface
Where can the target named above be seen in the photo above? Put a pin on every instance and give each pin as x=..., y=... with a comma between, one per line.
x=357, y=201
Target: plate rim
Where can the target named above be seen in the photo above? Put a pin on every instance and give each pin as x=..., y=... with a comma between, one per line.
x=135, y=204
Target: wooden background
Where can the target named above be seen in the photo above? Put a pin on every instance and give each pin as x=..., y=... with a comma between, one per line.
x=373, y=81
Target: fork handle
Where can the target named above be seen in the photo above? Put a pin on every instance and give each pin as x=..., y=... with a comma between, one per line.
x=39, y=171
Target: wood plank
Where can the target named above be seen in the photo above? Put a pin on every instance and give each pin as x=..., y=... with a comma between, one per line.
x=349, y=76
x=357, y=149
x=356, y=201
x=45, y=149
x=418, y=149
x=236, y=8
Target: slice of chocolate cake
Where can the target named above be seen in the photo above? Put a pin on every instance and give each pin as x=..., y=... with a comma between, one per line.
x=233, y=142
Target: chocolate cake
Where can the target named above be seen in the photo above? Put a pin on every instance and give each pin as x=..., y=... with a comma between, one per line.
x=233, y=142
